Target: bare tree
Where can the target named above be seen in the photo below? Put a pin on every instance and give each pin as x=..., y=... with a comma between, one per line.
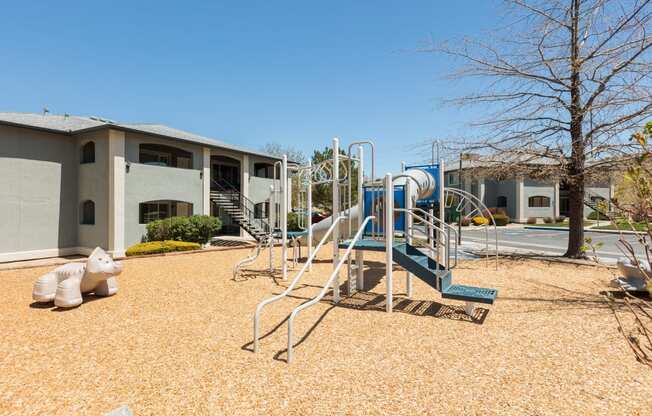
x=567, y=81
x=294, y=155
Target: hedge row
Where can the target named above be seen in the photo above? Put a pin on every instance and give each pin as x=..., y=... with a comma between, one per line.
x=195, y=229
x=156, y=247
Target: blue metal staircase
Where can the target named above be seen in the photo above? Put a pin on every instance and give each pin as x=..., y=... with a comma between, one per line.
x=428, y=270
x=419, y=264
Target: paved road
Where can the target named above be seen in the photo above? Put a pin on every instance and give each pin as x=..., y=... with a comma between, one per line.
x=546, y=241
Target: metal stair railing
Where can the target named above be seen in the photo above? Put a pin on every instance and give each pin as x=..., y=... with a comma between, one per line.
x=294, y=282
x=434, y=227
x=230, y=193
x=327, y=285
x=595, y=205
x=434, y=219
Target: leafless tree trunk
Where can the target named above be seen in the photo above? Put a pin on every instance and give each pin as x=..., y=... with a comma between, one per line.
x=567, y=83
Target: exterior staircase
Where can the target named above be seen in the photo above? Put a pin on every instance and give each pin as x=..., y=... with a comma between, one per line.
x=240, y=209
x=591, y=202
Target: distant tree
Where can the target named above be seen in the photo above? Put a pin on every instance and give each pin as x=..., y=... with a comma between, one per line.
x=322, y=195
x=566, y=83
x=293, y=154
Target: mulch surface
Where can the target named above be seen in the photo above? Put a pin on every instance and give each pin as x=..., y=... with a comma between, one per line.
x=176, y=339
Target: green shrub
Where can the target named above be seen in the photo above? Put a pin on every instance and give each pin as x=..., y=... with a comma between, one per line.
x=155, y=247
x=194, y=229
x=531, y=220
x=595, y=215
x=560, y=218
x=494, y=211
x=548, y=220
x=501, y=220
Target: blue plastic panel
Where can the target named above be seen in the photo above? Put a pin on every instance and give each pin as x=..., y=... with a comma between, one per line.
x=434, y=171
x=399, y=202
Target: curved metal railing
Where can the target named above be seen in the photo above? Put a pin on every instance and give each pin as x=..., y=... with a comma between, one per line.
x=253, y=255
x=294, y=282
x=479, y=207
x=327, y=285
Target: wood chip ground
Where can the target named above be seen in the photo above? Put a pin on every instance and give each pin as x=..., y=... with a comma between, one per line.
x=176, y=339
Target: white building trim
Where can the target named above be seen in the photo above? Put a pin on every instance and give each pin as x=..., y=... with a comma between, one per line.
x=206, y=172
x=520, y=203
x=116, y=193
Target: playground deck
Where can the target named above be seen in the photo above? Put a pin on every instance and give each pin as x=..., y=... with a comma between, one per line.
x=176, y=340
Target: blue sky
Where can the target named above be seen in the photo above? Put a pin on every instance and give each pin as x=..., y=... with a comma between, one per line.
x=294, y=73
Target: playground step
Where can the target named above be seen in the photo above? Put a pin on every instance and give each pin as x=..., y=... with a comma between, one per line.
x=470, y=294
x=422, y=266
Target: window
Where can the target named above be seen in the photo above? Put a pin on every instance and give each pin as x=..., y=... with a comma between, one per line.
x=158, y=210
x=264, y=170
x=261, y=210
x=538, y=202
x=87, y=213
x=161, y=155
x=88, y=153
x=501, y=201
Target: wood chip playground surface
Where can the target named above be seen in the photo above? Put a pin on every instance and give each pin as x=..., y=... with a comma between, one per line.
x=176, y=339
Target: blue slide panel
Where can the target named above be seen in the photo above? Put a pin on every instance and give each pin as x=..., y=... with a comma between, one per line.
x=434, y=171
x=399, y=202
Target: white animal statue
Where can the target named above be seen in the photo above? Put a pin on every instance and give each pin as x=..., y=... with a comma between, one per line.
x=66, y=283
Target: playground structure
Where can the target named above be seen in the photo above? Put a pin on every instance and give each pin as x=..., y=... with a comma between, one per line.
x=389, y=217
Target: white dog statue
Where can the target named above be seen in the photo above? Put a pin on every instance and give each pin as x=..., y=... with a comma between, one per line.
x=66, y=283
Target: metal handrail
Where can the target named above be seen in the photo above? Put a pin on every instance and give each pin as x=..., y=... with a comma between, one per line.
x=245, y=204
x=433, y=226
x=450, y=227
x=253, y=255
x=305, y=267
x=327, y=285
x=373, y=209
x=477, y=203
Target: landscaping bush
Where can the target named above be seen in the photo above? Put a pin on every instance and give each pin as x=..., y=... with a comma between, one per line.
x=595, y=215
x=548, y=220
x=194, y=229
x=466, y=221
x=501, y=220
x=531, y=220
x=560, y=218
x=479, y=220
x=156, y=247
x=494, y=211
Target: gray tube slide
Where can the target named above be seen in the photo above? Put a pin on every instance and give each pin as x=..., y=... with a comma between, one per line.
x=320, y=228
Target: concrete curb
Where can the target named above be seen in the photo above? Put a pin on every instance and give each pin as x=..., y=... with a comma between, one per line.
x=590, y=230
x=59, y=262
